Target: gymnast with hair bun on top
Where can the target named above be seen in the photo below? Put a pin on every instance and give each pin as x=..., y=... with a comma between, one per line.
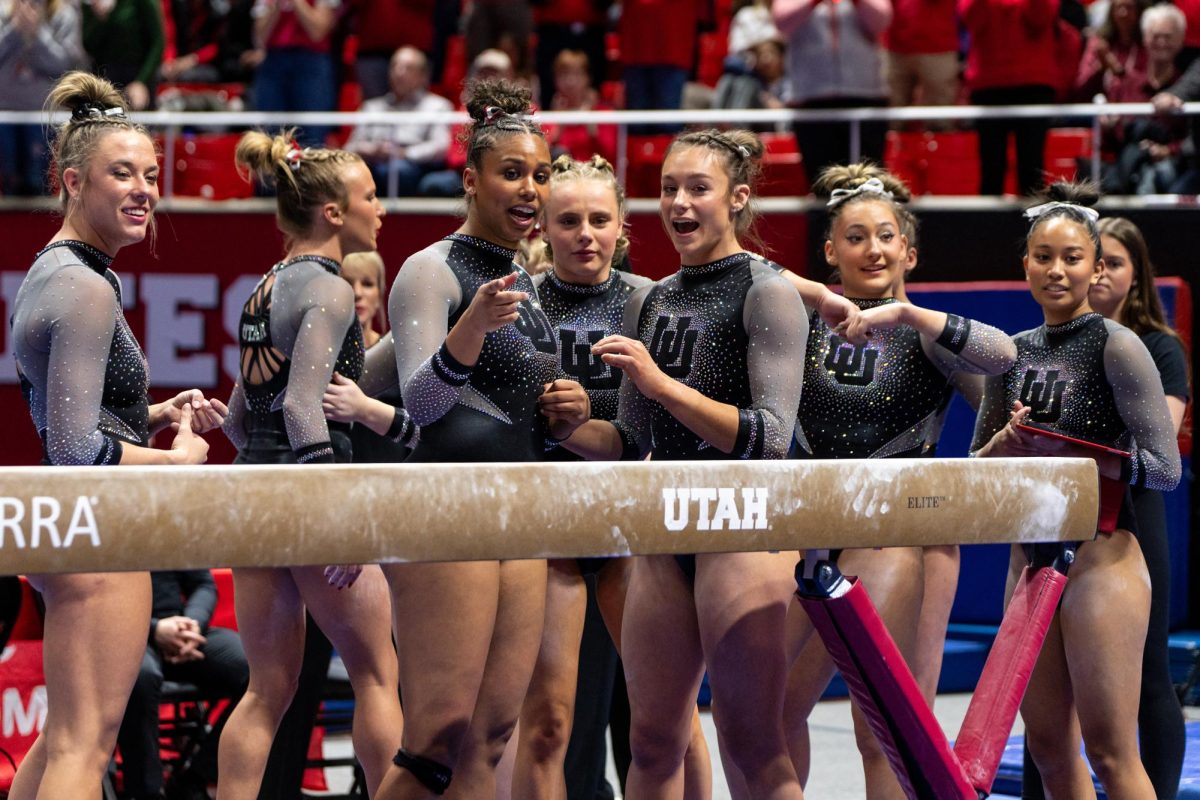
x=477, y=364
x=297, y=328
x=1088, y=378
x=85, y=379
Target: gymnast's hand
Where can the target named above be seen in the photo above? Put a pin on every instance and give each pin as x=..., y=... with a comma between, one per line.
x=493, y=306
x=343, y=400
x=1012, y=442
x=187, y=447
x=631, y=357
x=862, y=325
x=837, y=312
x=207, y=412
x=343, y=576
x=567, y=406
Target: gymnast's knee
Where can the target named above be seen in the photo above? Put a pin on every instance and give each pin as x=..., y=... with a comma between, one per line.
x=433, y=775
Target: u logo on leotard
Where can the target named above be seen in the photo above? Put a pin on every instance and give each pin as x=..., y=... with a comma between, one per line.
x=850, y=365
x=671, y=346
x=537, y=328
x=577, y=358
x=1043, y=396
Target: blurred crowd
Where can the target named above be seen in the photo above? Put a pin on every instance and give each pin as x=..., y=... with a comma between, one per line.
x=415, y=55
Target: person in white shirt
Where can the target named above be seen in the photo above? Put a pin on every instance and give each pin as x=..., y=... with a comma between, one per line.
x=399, y=155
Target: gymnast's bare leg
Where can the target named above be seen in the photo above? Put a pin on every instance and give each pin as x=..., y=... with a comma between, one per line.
x=1086, y=680
x=270, y=604
x=95, y=634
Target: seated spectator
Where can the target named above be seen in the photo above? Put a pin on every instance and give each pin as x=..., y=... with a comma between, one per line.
x=503, y=25
x=1149, y=150
x=753, y=71
x=569, y=25
x=125, y=41
x=448, y=182
x=181, y=648
x=1113, y=55
x=573, y=92
x=193, y=29
x=39, y=41
x=399, y=155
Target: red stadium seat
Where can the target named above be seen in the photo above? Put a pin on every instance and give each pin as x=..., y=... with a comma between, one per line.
x=711, y=57
x=783, y=167
x=1064, y=148
x=204, y=167
x=645, y=164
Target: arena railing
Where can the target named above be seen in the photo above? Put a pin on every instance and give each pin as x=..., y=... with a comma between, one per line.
x=174, y=122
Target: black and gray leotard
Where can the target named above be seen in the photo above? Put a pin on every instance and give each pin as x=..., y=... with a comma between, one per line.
x=583, y=315
x=1091, y=379
x=297, y=328
x=734, y=330
x=887, y=398
x=82, y=372
x=487, y=412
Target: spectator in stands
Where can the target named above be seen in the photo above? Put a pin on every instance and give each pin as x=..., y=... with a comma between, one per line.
x=184, y=649
x=125, y=41
x=448, y=182
x=573, y=92
x=1011, y=61
x=194, y=27
x=400, y=155
x=1113, y=56
x=297, y=70
x=753, y=75
x=1191, y=39
x=1185, y=89
x=658, y=49
x=1149, y=150
x=501, y=25
x=383, y=27
x=569, y=25
x=39, y=40
x=921, y=53
x=834, y=60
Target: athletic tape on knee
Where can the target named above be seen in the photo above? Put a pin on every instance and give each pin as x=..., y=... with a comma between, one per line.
x=433, y=776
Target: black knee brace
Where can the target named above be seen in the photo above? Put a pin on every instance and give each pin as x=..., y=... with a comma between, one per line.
x=433, y=776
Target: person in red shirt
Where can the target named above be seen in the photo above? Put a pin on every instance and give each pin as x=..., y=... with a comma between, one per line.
x=297, y=73
x=922, y=53
x=658, y=49
x=1011, y=61
x=573, y=92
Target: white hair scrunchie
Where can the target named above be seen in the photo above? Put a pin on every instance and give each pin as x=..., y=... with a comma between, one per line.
x=1045, y=208
x=869, y=186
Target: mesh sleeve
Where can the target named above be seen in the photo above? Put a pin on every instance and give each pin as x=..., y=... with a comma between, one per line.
x=777, y=326
x=379, y=369
x=235, y=421
x=1137, y=390
x=423, y=296
x=971, y=346
x=320, y=316
x=633, y=420
x=84, y=311
x=993, y=412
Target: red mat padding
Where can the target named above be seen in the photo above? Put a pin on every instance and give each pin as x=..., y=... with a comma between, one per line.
x=888, y=695
x=984, y=732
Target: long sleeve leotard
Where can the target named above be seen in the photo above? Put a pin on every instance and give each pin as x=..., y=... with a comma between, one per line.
x=82, y=372
x=297, y=328
x=887, y=398
x=733, y=330
x=1092, y=379
x=486, y=412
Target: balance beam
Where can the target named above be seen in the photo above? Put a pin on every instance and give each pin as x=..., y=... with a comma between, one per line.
x=86, y=519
